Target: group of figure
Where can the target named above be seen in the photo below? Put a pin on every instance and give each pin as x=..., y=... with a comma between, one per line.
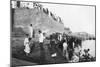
x=70, y=46
x=30, y=36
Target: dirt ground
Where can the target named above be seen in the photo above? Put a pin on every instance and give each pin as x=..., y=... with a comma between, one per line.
x=37, y=56
x=19, y=57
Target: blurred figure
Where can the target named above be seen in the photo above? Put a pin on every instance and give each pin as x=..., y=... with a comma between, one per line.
x=70, y=47
x=53, y=47
x=86, y=55
x=31, y=30
x=60, y=37
x=75, y=58
x=41, y=37
x=77, y=50
x=42, y=53
x=26, y=44
x=65, y=52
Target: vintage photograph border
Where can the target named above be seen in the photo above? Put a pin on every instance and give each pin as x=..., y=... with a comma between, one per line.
x=49, y=3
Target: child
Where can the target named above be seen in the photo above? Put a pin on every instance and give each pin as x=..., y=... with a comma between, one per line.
x=26, y=44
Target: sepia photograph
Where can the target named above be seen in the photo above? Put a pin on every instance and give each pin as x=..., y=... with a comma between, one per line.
x=45, y=33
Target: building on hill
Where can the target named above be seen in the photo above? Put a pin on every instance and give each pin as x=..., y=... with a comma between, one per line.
x=14, y=4
x=24, y=4
x=32, y=5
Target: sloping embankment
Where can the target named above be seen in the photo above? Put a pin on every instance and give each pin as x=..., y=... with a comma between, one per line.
x=24, y=17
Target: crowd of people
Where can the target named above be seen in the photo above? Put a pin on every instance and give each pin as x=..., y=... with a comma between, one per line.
x=71, y=47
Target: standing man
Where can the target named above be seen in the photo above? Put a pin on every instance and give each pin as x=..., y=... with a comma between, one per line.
x=31, y=30
x=60, y=37
x=41, y=37
x=31, y=35
x=42, y=53
x=65, y=50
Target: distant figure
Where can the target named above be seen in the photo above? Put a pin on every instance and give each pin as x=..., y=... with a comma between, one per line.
x=65, y=52
x=87, y=56
x=60, y=37
x=26, y=44
x=75, y=58
x=70, y=47
x=31, y=30
x=41, y=39
x=77, y=51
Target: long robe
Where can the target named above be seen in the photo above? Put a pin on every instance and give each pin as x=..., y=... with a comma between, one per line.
x=26, y=44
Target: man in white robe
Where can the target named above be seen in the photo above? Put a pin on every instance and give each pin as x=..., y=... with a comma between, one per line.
x=65, y=52
x=31, y=30
x=41, y=39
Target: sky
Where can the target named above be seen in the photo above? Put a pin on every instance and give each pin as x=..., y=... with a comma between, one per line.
x=77, y=18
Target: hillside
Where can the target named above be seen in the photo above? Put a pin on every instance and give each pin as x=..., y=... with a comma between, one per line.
x=24, y=17
x=40, y=19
